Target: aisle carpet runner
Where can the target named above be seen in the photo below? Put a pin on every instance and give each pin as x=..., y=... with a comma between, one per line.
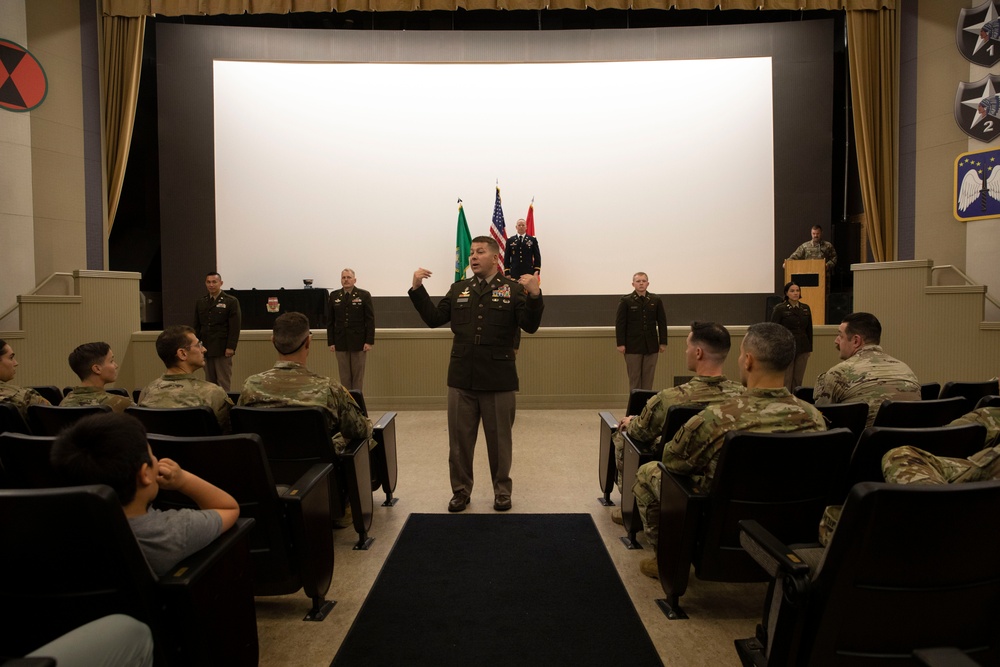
x=492, y=589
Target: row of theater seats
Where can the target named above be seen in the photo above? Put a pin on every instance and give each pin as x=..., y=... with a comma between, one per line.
x=279, y=465
x=894, y=546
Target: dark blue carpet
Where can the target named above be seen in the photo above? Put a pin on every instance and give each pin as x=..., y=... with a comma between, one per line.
x=498, y=589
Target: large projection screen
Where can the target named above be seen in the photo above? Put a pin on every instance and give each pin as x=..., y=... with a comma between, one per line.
x=635, y=159
x=710, y=259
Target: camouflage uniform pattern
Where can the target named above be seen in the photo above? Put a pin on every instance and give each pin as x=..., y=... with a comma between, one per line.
x=822, y=250
x=869, y=375
x=988, y=417
x=648, y=426
x=184, y=390
x=694, y=451
x=81, y=396
x=910, y=465
x=22, y=397
x=290, y=384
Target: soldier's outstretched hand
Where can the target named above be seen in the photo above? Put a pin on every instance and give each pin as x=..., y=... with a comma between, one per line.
x=418, y=277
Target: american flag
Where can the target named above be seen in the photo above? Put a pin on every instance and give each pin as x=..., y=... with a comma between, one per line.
x=498, y=230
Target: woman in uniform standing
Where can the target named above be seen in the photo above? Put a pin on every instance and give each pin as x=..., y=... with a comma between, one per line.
x=795, y=316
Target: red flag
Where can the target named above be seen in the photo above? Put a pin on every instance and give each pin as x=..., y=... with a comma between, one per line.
x=530, y=219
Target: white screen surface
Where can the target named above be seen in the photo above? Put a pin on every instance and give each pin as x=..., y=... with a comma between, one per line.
x=657, y=166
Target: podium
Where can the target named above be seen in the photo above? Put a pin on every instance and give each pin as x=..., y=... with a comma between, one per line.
x=810, y=276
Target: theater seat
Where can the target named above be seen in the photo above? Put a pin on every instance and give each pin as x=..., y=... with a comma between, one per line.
x=25, y=461
x=297, y=438
x=607, y=469
x=383, y=455
x=11, y=419
x=77, y=560
x=919, y=414
x=970, y=391
x=291, y=544
x=782, y=480
x=50, y=419
x=908, y=568
x=182, y=422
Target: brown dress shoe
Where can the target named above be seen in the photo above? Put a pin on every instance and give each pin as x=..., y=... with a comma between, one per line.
x=616, y=516
x=458, y=502
x=501, y=503
x=649, y=568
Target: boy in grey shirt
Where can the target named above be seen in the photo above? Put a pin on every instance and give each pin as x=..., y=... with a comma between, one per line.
x=112, y=449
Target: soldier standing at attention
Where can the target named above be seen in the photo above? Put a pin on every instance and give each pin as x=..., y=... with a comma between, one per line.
x=350, y=331
x=217, y=325
x=182, y=353
x=95, y=365
x=765, y=407
x=866, y=373
x=522, y=255
x=485, y=313
x=641, y=332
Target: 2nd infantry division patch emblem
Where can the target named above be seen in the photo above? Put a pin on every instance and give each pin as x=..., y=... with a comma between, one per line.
x=977, y=185
x=977, y=108
x=978, y=34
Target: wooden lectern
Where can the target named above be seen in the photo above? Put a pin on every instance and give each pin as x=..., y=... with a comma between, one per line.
x=810, y=276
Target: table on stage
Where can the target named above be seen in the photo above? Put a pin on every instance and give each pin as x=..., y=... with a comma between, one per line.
x=258, y=314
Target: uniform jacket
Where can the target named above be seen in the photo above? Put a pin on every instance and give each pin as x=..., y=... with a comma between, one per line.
x=637, y=321
x=484, y=322
x=798, y=321
x=520, y=257
x=83, y=396
x=217, y=323
x=351, y=320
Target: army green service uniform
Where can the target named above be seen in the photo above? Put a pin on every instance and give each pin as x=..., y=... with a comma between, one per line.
x=185, y=390
x=482, y=375
x=351, y=326
x=93, y=396
x=694, y=451
x=798, y=320
x=869, y=375
x=217, y=325
x=641, y=328
x=703, y=389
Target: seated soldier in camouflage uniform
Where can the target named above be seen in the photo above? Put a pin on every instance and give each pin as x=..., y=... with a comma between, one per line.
x=707, y=347
x=911, y=465
x=21, y=397
x=765, y=407
x=866, y=373
x=289, y=383
x=182, y=353
x=95, y=365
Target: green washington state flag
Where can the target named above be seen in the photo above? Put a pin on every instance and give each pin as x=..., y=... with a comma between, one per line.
x=463, y=245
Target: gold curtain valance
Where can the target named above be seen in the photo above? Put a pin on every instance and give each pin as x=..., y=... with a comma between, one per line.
x=216, y=7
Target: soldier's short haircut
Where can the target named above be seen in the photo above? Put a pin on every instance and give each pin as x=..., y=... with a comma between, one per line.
x=712, y=336
x=214, y=273
x=169, y=341
x=3, y=344
x=107, y=449
x=84, y=356
x=351, y=271
x=819, y=227
x=771, y=345
x=290, y=332
x=865, y=325
x=490, y=241
x=639, y=273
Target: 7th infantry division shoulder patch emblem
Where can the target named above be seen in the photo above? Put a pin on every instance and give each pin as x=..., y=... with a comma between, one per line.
x=22, y=80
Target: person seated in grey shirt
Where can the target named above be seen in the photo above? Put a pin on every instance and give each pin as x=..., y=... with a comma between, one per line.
x=112, y=449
